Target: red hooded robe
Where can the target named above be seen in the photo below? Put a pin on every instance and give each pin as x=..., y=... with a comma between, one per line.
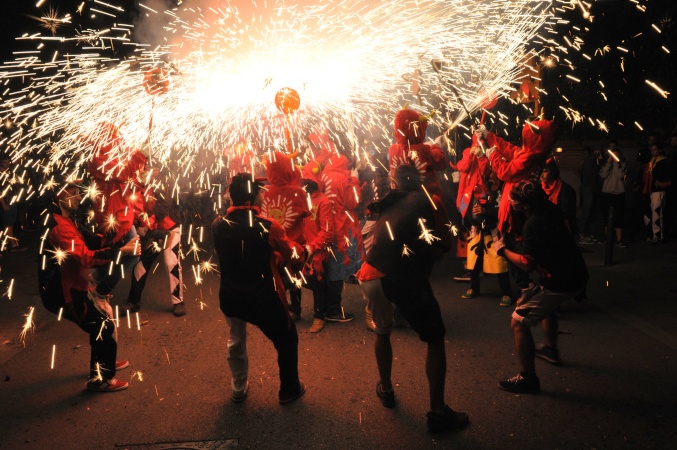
x=410, y=149
x=285, y=201
x=344, y=193
x=115, y=178
x=513, y=164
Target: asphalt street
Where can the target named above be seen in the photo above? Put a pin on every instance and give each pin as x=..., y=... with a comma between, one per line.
x=616, y=388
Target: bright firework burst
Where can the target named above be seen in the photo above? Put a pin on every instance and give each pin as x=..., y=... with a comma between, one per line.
x=352, y=63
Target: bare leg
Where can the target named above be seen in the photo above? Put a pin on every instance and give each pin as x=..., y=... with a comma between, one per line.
x=384, y=360
x=524, y=345
x=550, y=326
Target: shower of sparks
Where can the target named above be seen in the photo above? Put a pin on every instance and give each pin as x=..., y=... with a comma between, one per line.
x=29, y=325
x=406, y=251
x=353, y=63
x=225, y=64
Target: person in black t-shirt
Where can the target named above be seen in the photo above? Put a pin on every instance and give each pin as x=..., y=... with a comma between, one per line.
x=549, y=249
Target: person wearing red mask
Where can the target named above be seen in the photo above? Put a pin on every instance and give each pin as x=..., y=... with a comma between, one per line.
x=286, y=202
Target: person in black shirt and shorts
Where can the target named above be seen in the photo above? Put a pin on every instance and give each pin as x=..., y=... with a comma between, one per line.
x=549, y=249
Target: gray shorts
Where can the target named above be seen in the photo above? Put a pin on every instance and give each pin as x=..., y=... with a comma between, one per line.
x=382, y=311
x=539, y=304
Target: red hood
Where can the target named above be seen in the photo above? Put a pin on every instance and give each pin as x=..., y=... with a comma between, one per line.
x=542, y=140
x=408, y=128
x=338, y=162
x=312, y=171
x=281, y=171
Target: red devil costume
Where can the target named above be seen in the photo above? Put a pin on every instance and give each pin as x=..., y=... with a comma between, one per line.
x=513, y=164
x=344, y=193
x=113, y=209
x=474, y=171
x=114, y=176
x=319, y=227
x=285, y=200
x=410, y=129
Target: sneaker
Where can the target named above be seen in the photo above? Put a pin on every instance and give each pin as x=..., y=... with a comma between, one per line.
x=470, y=293
x=119, y=365
x=240, y=396
x=505, y=301
x=521, y=385
x=317, y=326
x=548, y=354
x=18, y=249
x=465, y=276
x=387, y=398
x=587, y=240
x=447, y=420
x=345, y=317
x=621, y=244
x=180, y=309
x=288, y=398
x=110, y=385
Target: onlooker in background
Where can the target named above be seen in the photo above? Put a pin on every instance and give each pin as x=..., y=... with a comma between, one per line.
x=613, y=174
x=670, y=215
x=636, y=203
x=549, y=249
x=559, y=193
x=251, y=288
x=657, y=178
x=589, y=191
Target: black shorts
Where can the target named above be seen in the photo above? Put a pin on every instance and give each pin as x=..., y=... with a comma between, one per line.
x=414, y=297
